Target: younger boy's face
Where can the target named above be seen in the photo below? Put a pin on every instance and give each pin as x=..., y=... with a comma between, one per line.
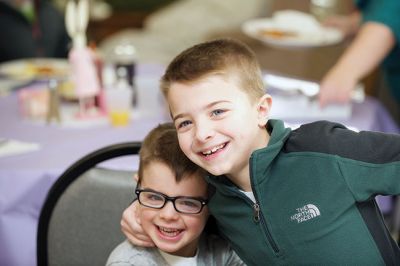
x=218, y=126
x=173, y=232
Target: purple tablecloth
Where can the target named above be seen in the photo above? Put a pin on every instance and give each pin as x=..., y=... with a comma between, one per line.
x=25, y=179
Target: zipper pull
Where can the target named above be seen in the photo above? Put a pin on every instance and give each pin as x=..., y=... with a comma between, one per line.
x=256, y=212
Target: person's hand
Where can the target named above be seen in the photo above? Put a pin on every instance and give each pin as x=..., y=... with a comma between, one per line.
x=132, y=229
x=372, y=43
x=336, y=87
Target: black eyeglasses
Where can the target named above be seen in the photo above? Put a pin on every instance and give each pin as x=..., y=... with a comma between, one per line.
x=182, y=204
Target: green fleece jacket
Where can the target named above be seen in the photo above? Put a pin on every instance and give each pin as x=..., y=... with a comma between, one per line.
x=314, y=189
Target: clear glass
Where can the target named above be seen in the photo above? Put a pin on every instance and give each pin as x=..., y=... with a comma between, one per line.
x=119, y=105
x=322, y=9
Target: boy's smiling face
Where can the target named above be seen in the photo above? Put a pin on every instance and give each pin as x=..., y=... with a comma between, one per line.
x=173, y=232
x=218, y=126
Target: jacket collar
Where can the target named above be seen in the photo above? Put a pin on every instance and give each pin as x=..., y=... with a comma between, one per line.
x=261, y=159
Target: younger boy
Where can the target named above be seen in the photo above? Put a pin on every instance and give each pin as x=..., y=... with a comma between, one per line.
x=173, y=210
x=283, y=197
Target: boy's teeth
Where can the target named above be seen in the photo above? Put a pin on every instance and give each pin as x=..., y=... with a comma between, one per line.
x=169, y=232
x=213, y=149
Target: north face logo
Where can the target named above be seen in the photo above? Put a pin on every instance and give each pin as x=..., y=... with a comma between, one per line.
x=306, y=213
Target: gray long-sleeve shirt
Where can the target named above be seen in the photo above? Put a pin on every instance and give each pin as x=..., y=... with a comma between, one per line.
x=213, y=251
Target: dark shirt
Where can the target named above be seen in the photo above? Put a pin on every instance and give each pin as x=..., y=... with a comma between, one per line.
x=46, y=36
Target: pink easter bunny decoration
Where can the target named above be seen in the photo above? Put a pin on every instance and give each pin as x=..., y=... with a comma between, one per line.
x=81, y=57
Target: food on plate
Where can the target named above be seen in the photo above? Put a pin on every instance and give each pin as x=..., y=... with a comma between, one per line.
x=277, y=33
x=39, y=70
x=291, y=29
x=28, y=69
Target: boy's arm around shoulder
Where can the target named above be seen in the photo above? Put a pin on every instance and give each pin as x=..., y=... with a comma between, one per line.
x=335, y=139
x=369, y=162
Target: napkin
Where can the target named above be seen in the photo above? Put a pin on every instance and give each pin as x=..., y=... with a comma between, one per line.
x=10, y=147
x=302, y=109
x=297, y=99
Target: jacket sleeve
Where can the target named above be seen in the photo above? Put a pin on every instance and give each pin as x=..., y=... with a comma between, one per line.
x=375, y=167
x=369, y=161
x=336, y=139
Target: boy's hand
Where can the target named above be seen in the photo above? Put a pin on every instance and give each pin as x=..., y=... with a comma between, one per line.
x=131, y=227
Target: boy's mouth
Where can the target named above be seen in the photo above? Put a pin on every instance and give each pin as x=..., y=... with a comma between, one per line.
x=213, y=150
x=169, y=231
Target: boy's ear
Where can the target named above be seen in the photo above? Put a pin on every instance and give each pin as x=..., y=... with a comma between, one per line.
x=263, y=108
x=136, y=177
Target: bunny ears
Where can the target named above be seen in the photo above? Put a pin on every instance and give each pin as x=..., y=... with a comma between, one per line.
x=76, y=19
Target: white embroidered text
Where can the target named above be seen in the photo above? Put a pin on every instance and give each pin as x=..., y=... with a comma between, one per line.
x=306, y=213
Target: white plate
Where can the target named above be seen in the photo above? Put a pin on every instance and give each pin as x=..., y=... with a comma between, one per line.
x=35, y=69
x=291, y=29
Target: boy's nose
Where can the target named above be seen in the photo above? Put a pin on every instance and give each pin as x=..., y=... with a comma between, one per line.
x=168, y=211
x=204, y=132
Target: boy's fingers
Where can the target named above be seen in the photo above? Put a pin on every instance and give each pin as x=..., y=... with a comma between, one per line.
x=136, y=237
x=130, y=226
x=141, y=243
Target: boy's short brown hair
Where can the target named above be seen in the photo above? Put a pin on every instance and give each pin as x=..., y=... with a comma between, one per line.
x=161, y=145
x=226, y=57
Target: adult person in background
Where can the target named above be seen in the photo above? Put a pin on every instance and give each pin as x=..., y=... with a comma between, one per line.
x=31, y=28
x=376, y=43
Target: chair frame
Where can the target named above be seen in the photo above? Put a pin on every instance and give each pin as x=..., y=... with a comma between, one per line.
x=63, y=182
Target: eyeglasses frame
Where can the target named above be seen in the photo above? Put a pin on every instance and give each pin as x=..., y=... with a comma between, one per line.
x=203, y=202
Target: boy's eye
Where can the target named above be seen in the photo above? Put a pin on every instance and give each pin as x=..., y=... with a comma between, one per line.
x=217, y=112
x=154, y=197
x=188, y=203
x=184, y=124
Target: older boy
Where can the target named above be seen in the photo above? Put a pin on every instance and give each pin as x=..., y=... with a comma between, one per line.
x=302, y=197
x=173, y=210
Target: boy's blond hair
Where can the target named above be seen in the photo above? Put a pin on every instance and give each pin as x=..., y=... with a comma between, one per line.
x=161, y=145
x=228, y=58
